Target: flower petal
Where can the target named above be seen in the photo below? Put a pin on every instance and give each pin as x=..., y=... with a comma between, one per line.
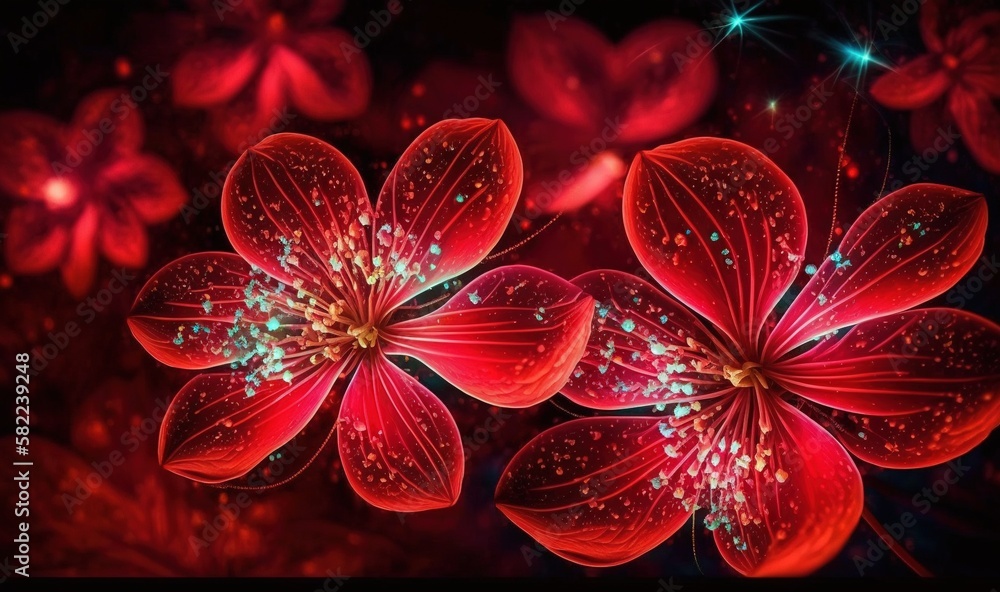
x=105, y=122
x=214, y=73
x=324, y=81
x=906, y=248
x=794, y=521
x=718, y=225
x=915, y=84
x=643, y=347
x=399, y=444
x=588, y=489
x=560, y=67
x=80, y=264
x=122, y=237
x=979, y=122
x=259, y=110
x=34, y=242
x=184, y=313
x=147, y=184
x=213, y=431
x=930, y=25
x=510, y=338
x=29, y=145
x=914, y=389
x=295, y=207
x=665, y=90
x=445, y=204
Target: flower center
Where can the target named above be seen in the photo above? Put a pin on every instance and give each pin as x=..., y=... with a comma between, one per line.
x=59, y=193
x=949, y=61
x=366, y=334
x=276, y=25
x=749, y=375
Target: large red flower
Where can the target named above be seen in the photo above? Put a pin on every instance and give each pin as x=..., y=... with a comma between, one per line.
x=605, y=99
x=86, y=186
x=264, y=57
x=315, y=293
x=723, y=230
x=956, y=81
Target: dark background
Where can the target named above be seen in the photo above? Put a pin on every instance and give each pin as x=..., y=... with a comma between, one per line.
x=139, y=521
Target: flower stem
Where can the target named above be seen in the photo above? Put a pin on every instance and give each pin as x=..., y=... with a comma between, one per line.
x=894, y=546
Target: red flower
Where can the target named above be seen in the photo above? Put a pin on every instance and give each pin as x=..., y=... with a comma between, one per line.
x=315, y=292
x=723, y=230
x=605, y=98
x=87, y=188
x=957, y=80
x=262, y=60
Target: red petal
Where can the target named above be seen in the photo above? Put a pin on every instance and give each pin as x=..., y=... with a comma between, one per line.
x=561, y=67
x=146, y=184
x=979, y=123
x=585, y=489
x=215, y=73
x=213, y=431
x=930, y=24
x=665, y=90
x=652, y=361
x=257, y=112
x=510, y=338
x=399, y=444
x=320, y=12
x=793, y=527
x=445, y=204
x=123, y=237
x=194, y=300
x=906, y=248
x=34, y=242
x=297, y=208
x=80, y=264
x=916, y=389
x=720, y=226
x=325, y=81
x=29, y=144
x=105, y=122
x=915, y=84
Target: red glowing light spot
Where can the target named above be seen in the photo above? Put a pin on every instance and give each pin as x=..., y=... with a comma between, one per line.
x=418, y=89
x=852, y=172
x=6, y=281
x=276, y=24
x=123, y=68
x=58, y=193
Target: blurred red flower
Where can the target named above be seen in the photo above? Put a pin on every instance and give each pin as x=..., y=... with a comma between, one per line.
x=264, y=57
x=86, y=186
